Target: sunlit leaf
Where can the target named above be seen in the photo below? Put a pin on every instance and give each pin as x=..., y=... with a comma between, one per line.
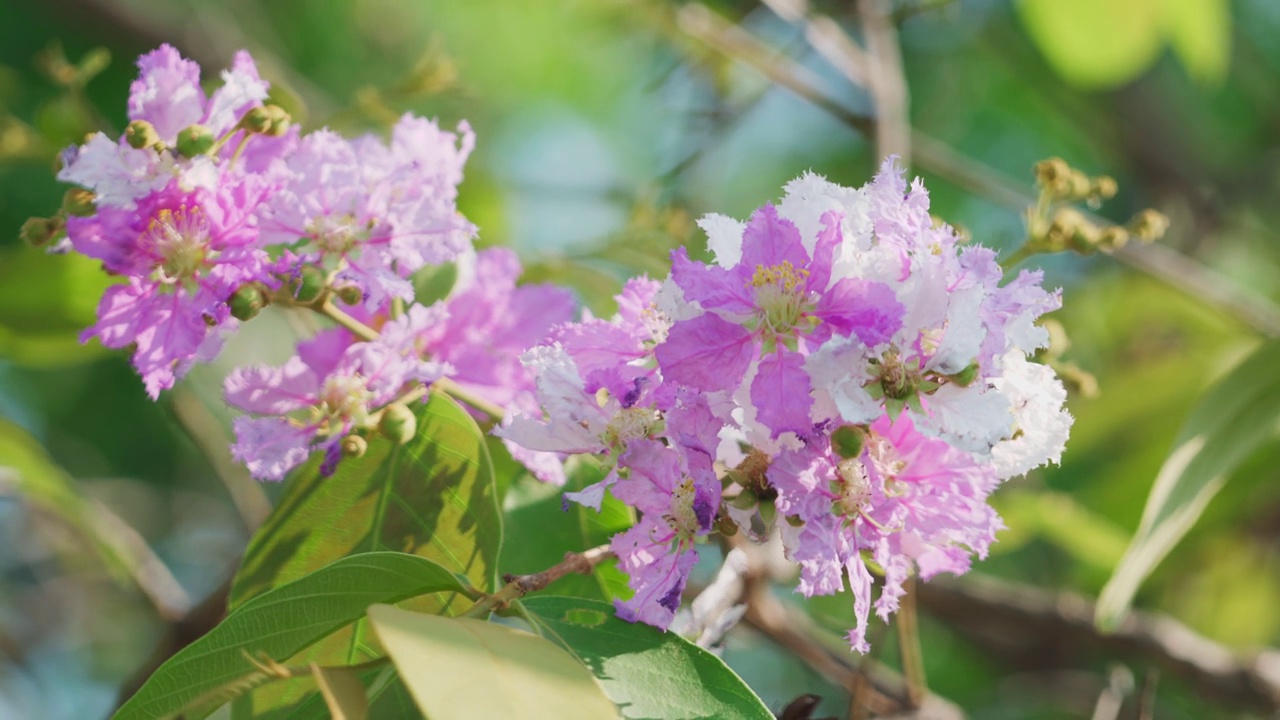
x=1229, y=422
x=45, y=303
x=462, y=668
x=278, y=624
x=432, y=497
x=1200, y=33
x=647, y=672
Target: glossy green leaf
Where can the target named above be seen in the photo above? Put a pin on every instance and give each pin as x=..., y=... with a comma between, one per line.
x=463, y=668
x=1199, y=32
x=647, y=672
x=278, y=624
x=432, y=497
x=1231, y=420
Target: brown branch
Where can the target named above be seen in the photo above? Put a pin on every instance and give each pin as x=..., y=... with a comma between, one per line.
x=1032, y=627
x=520, y=585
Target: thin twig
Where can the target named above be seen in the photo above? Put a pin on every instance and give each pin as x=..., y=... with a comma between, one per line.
x=909, y=645
x=886, y=82
x=520, y=585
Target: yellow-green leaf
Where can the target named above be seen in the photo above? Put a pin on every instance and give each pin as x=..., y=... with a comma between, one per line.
x=462, y=668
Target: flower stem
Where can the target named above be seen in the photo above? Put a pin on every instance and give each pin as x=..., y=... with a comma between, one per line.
x=362, y=331
x=520, y=585
x=455, y=391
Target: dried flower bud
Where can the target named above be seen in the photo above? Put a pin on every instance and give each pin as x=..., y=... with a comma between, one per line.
x=1149, y=225
x=354, y=446
x=79, y=202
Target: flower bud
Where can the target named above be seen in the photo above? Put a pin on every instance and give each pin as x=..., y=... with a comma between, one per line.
x=79, y=202
x=257, y=120
x=349, y=294
x=726, y=526
x=39, y=231
x=1112, y=239
x=354, y=446
x=398, y=423
x=847, y=441
x=141, y=134
x=307, y=285
x=195, y=140
x=1104, y=187
x=1149, y=225
x=280, y=121
x=247, y=302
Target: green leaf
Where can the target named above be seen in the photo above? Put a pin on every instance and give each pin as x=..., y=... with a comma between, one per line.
x=1230, y=421
x=278, y=624
x=1102, y=43
x=1200, y=33
x=541, y=527
x=647, y=672
x=432, y=497
x=462, y=668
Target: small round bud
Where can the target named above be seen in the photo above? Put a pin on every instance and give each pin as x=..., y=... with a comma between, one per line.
x=195, y=140
x=141, y=134
x=308, y=284
x=349, y=294
x=1079, y=184
x=1104, y=187
x=280, y=120
x=1049, y=173
x=354, y=446
x=39, y=231
x=79, y=202
x=847, y=441
x=247, y=302
x=1149, y=225
x=398, y=423
x=257, y=120
x=1112, y=239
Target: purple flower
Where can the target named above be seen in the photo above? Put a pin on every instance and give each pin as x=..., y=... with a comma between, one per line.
x=914, y=502
x=168, y=95
x=773, y=305
x=183, y=253
x=678, y=496
x=332, y=388
x=374, y=215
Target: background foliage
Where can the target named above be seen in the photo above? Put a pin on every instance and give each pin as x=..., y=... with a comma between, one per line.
x=604, y=127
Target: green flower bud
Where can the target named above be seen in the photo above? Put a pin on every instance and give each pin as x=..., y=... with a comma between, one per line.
x=308, y=284
x=745, y=500
x=847, y=441
x=398, y=423
x=257, y=120
x=349, y=294
x=195, y=140
x=280, y=120
x=354, y=446
x=39, y=231
x=141, y=134
x=79, y=202
x=247, y=302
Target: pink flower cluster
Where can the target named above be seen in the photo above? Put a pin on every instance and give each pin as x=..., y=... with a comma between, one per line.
x=844, y=360
x=207, y=197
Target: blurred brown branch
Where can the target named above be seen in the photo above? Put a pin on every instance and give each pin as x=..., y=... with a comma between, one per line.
x=1033, y=628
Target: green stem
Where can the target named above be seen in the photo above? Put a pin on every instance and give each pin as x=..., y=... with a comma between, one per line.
x=1018, y=256
x=362, y=331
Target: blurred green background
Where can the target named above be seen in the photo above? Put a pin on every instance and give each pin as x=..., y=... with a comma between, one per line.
x=603, y=129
